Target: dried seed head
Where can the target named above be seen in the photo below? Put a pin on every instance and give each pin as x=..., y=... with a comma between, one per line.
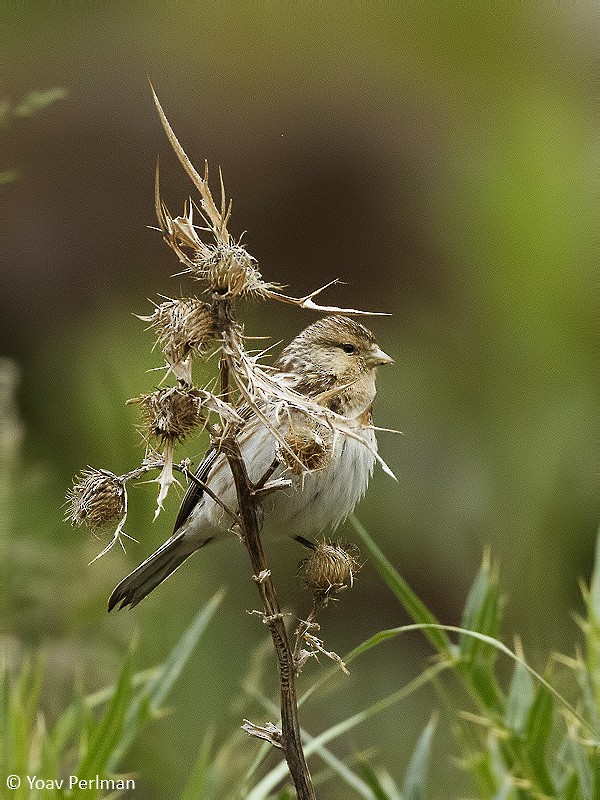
x=170, y=414
x=96, y=498
x=183, y=327
x=229, y=271
x=311, y=444
x=329, y=569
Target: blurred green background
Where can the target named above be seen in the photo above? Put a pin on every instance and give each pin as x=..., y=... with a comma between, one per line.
x=441, y=160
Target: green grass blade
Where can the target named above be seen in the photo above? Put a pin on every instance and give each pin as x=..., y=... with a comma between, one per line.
x=375, y=783
x=572, y=790
x=592, y=628
x=413, y=787
x=481, y=613
x=29, y=687
x=69, y=725
x=412, y=604
x=538, y=730
x=580, y=760
x=5, y=734
x=343, y=770
x=520, y=698
x=151, y=697
x=102, y=696
x=587, y=692
x=106, y=735
x=200, y=780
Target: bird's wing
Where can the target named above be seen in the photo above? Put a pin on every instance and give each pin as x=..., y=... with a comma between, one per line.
x=195, y=491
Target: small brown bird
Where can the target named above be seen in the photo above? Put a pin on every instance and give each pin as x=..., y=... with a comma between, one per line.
x=333, y=362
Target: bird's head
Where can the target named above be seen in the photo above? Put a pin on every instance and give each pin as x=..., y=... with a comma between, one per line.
x=332, y=353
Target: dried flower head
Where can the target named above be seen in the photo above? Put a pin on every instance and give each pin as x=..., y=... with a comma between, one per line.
x=183, y=327
x=329, y=569
x=96, y=498
x=229, y=271
x=171, y=414
x=309, y=446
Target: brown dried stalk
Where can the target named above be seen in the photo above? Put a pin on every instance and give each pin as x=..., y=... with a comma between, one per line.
x=291, y=741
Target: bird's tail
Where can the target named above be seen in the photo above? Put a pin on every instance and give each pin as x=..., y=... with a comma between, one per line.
x=151, y=572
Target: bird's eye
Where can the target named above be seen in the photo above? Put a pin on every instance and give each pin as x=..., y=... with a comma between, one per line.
x=348, y=348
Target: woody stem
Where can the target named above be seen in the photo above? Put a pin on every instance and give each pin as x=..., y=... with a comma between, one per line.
x=290, y=725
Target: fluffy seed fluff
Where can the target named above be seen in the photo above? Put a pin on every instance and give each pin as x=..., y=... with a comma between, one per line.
x=329, y=569
x=170, y=414
x=96, y=498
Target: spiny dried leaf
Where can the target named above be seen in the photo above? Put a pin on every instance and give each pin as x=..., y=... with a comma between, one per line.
x=217, y=219
x=96, y=498
x=178, y=232
x=166, y=478
x=308, y=303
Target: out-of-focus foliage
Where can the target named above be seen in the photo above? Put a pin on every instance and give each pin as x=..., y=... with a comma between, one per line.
x=27, y=107
x=531, y=741
x=42, y=760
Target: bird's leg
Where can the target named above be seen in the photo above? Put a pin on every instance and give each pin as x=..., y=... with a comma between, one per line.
x=305, y=542
x=262, y=482
x=266, y=486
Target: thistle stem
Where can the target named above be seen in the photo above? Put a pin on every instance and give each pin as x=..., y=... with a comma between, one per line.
x=290, y=725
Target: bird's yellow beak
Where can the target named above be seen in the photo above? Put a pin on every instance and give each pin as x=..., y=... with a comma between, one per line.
x=378, y=357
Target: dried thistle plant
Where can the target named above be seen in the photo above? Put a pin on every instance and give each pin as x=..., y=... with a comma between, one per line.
x=330, y=568
x=309, y=446
x=184, y=329
x=96, y=499
x=307, y=430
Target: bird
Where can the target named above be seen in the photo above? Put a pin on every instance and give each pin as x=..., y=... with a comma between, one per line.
x=333, y=362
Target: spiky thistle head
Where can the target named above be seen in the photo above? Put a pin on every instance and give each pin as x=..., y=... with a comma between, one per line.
x=229, y=271
x=96, y=498
x=329, y=569
x=183, y=327
x=171, y=414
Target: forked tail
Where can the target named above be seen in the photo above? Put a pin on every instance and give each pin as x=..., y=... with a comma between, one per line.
x=152, y=572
